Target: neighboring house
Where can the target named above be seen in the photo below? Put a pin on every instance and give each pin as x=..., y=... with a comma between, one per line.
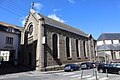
x=108, y=47
x=9, y=42
x=49, y=45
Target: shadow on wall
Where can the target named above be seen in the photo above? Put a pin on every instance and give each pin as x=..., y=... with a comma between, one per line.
x=48, y=50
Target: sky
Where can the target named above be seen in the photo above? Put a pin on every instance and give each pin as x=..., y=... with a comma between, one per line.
x=91, y=16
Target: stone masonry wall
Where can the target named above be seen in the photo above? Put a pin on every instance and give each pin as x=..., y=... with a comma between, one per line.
x=62, y=34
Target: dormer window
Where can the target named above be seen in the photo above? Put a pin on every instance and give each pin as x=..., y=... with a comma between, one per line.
x=9, y=29
x=115, y=41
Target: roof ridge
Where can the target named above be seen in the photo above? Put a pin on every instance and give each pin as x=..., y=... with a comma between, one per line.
x=111, y=33
x=109, y=36
x=8, y=25
x=68, y=26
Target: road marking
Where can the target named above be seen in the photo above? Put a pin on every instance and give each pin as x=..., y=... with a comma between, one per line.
x=66, y=74
x=87, y=76
x=1, y=77
x=91, y=78
x=104, y=78
x=75, y=75
x=8, y=77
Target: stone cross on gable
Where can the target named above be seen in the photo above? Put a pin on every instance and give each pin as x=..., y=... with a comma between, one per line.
x=32, y=5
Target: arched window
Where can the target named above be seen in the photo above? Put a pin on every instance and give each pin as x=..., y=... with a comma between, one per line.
x=77, y=49
x=68, y=47
x=113, y=55
x=84, y=49
x=55, y=47
x=30, y=28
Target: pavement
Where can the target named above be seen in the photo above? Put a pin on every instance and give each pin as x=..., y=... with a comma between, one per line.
x=59, y=75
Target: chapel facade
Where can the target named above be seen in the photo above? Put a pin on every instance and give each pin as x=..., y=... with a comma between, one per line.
x=47, y=44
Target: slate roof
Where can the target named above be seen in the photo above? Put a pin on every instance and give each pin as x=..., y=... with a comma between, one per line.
x=63, y=26
x=109, y=36
x=103, y=54
x=105, y=47
x=109, y=47
x=116, y=46
x=9, y=25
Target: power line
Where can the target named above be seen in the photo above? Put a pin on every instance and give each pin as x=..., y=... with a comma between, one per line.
x=10, y=11
x=7, y=6
x=10, y=5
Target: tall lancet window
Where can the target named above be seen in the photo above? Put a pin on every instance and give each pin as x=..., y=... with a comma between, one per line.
x=84, y=49
x=55, y=45
x=68, y=47
x=77, y=49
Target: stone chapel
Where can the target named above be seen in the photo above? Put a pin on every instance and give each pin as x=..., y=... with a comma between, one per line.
x=47, y=44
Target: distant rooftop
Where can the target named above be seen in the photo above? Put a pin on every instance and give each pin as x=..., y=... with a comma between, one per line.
x=10, y=25
x=109, y=36
x=109, y=47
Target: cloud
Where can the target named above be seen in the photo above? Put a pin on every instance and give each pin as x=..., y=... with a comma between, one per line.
x=38, y=6
x=23, y=19
x=72, y=1
x=55, y=17
x=56, y=10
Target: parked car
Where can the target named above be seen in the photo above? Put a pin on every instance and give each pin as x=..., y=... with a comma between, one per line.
x=71, y=67
x=87, y=65
x=110, y=68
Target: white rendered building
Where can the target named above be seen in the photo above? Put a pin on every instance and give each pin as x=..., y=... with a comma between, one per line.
x=9, y=42
x=108, y=47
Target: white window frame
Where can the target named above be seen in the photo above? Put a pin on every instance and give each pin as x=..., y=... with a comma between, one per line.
x=70, y=47
x=58, y=49
x=79, y=43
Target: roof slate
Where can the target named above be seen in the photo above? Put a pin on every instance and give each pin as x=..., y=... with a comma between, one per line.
x=109, y=36
x=109, y=47
x=9, y=25
x=63, y=26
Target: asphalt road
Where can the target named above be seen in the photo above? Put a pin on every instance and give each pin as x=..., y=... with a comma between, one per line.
x=60, y=75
